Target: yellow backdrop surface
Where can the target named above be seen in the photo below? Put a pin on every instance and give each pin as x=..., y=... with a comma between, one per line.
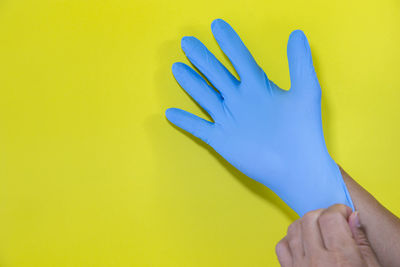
x=91, y=172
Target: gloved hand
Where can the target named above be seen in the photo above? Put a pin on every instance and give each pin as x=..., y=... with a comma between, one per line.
x=272, y=135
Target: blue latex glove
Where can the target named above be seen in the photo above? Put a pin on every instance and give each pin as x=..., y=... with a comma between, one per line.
x=272, y=135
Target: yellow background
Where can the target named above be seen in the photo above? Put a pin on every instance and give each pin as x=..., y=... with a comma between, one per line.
x=92, y=174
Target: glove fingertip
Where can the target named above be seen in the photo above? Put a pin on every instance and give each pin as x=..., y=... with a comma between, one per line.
x=216, y=23
x=297, y=34
x=220, y=27
x=170, y=113
x=297, y=42
x=187, y=42
x=176, y=68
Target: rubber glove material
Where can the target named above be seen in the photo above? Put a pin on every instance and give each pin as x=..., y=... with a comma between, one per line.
x=272, y=135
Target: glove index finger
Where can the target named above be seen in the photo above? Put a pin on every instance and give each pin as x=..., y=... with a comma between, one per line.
x=235, y=50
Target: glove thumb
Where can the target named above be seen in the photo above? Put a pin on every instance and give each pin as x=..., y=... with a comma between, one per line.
x=302, y=73
x=362, y=241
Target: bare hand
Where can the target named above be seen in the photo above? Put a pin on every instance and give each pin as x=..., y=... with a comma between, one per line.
x=326, y=237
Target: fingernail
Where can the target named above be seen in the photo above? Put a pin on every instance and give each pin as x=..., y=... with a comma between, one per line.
x=357, y=219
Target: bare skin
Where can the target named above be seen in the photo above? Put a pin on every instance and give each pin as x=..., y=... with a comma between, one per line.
x=329, y=237
x=339, y=237
x=382, y=228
